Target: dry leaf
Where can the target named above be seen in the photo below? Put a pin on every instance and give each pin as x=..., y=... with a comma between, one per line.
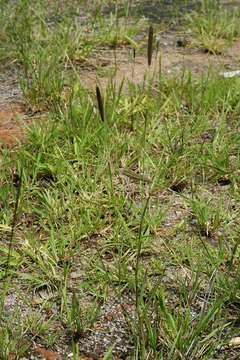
x=46, y=354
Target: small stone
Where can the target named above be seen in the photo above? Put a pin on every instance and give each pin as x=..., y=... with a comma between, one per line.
x=235, y=342
x=230, y=74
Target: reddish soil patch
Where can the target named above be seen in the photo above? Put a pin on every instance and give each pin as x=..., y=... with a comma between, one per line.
x=11, y=128
x=12, y=112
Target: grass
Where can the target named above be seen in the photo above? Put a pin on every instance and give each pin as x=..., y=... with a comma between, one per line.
x=213, y=27
x=129, y=195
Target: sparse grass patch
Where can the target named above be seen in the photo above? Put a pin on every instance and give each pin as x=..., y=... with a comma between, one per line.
x=128, y=194
x=213, y=27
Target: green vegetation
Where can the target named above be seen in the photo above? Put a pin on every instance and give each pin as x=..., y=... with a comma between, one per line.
x=214, y=27
x=140, y=202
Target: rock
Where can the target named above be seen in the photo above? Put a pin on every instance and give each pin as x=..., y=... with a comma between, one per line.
x=230, y=74
x=235, y=342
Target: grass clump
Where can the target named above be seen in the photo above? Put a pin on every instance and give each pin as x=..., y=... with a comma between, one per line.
x=214, y=28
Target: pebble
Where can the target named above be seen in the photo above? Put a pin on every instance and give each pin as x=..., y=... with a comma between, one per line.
x=230, y=74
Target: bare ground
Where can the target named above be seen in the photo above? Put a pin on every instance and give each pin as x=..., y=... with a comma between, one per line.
x=173, y=56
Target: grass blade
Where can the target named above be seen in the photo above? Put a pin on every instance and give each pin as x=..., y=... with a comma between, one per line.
x=18, y=183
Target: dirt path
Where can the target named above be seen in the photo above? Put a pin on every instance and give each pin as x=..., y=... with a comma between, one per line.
x=173, y=57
